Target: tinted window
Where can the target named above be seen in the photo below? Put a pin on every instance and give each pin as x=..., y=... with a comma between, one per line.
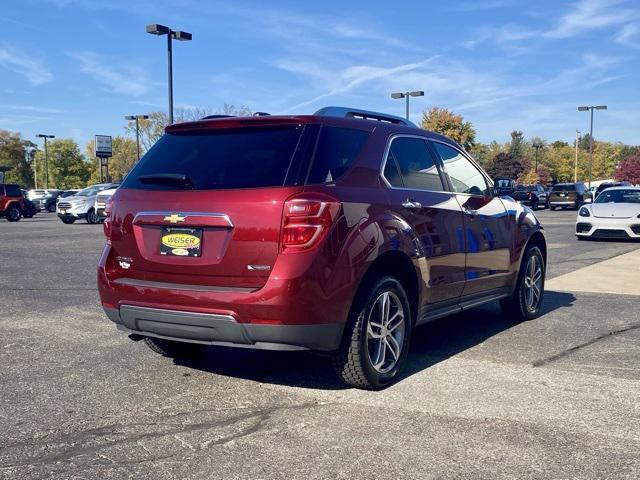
x=13, y=191
x=337, y=149
x=221, y=159
x=417, y=166
x=391, y=172
x=464, y=175
x=564, y=188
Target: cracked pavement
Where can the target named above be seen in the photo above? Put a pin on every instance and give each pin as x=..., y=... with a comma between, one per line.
x=482, y=397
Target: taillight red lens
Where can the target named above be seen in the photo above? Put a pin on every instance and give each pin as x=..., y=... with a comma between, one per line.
x=107, y=229
x=306, y=221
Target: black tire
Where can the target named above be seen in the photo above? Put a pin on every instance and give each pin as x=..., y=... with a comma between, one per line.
x=546, y=204
x=13, y=213
x=172, y=349
x=553, y=208
x=517, y=306
x=534, y=205
x=352, y=362
x=51, y=208
x=91, y=218
x=68, y=221
x=582, y=238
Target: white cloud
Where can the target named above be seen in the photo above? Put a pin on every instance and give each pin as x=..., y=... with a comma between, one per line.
x=629, y=35
x=30, y=108
x=126, y=79
x=589, y=15
x=30, y=68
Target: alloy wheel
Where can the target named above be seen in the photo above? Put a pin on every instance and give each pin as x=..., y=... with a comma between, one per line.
x=385, y=332
x=533, y=283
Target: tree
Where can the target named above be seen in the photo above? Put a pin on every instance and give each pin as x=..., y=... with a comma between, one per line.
x=17, y=154
x=67, y=165
x=505, y=165
x=441, y=120
x=542, y=176
x=629, y=169
x=517, y=144
x=151, y=129
x=124, y=157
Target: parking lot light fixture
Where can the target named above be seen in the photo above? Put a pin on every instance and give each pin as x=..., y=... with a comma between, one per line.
x=157, y=29
x=137, y=119
x=537, y=146
x=591, y=108
x=46, y=160
x=406, y=95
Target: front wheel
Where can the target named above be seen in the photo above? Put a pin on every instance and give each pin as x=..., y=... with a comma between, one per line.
x=525, y=302
x=68, y=221
x=92, y=217
x=173, y=349
x=376, y=339
x=51, y=208
x=13, y=214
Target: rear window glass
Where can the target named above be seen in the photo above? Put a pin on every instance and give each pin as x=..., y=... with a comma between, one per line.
x=564, y=188
x=13, y=190
x=337, y=149
x=220, y=159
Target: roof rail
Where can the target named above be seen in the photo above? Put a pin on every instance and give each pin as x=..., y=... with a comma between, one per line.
x=211, y=117
x=345, y=112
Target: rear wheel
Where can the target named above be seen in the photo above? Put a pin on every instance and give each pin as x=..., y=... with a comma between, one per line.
x=13, y=213
x=51, y=208
x=526, y=300
x=376, y=339
x=170, y=348
x=553, y=208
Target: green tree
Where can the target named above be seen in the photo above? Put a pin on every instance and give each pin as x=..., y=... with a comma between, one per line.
x=67, y=165
x=441, y=120
x=17, y=153
x=517, y=144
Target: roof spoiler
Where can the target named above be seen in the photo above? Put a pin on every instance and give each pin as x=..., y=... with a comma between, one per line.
x=345, y=112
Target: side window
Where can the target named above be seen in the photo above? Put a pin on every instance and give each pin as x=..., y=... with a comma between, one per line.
x=336, y=151
x=391, y=172
x=417, y=166
x=464, y=175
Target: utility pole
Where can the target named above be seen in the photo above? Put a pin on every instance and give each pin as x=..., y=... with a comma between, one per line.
x=584, y=109
x=46, y=160
x=406, y=95
x=575, y=166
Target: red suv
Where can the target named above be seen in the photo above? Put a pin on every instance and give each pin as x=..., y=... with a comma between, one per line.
x=336, y=232
x=11, y=202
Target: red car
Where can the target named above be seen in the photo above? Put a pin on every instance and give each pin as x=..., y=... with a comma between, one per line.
x=11, y=202
x=336, y=232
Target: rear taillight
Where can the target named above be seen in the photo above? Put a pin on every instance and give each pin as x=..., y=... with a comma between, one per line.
x=530, y=195
x=306, y=221
x=107, y=227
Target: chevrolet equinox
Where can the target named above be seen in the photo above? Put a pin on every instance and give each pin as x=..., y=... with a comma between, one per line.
x=338, y=232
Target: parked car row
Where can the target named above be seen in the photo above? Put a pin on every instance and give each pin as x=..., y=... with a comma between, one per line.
x=86, y=204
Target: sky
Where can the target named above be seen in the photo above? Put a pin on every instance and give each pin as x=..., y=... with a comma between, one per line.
x=75, y=68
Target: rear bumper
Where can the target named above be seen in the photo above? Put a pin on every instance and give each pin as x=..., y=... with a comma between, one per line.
x=217, y=329
x=563, y=203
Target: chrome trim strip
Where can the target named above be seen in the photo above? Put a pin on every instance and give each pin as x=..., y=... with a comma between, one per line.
x=188, y=214
x=133, y=282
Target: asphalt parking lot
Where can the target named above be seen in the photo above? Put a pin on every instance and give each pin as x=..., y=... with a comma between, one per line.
x=483, y=397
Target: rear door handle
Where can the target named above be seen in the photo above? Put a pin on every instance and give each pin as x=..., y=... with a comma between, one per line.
x=411, y=205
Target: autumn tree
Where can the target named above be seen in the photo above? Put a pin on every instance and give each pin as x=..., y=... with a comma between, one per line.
x=629, y=169
x=17, y=154
x=66, y=164
x=505, y=165
x=441, y=120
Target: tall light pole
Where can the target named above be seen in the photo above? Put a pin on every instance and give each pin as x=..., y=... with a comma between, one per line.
x=575, y=166
x=156, y=29
x=537, y=146
x=137, y=118
x=417, y=93
x=584, y=109
x=46, y=160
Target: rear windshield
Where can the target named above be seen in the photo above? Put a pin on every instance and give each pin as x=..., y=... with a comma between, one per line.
x=250, y=157
x=564, y=188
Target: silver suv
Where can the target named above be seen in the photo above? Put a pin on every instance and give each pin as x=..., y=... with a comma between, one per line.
x=81, y=205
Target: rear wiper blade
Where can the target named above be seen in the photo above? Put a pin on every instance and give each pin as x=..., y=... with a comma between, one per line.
x=171, y=179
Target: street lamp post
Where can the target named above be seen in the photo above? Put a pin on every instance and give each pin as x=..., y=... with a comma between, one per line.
x=156, y=29
x=406, y=95
x=46, y=160
x=584, y=109
x=575, y=166
x=537, y=146
x=137, y=118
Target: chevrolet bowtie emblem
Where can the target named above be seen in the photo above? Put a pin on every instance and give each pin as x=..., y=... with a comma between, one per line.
x=174, y=218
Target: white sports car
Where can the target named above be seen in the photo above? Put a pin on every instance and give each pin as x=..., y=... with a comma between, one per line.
x=614, y=214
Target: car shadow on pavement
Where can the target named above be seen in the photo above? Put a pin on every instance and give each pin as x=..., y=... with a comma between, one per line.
x=431, y=344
